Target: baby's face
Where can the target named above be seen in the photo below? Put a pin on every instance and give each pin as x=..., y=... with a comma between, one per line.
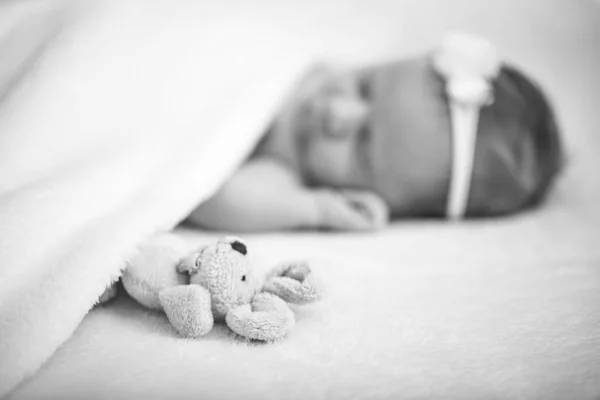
x=382, y=129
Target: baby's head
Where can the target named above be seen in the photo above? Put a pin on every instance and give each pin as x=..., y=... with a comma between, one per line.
x=391, y=129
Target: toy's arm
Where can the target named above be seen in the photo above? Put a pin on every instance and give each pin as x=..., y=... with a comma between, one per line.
x=293, y=282
x=188, y=308
x=265, y=195
x=266, y=318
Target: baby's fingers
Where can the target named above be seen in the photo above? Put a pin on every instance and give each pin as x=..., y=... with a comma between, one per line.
x=370, y=205
x=354, y=211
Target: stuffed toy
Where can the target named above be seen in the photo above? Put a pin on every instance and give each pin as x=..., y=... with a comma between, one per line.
x=216, y=283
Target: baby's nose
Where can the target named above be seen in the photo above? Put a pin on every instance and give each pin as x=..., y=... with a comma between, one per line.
x=345, y=116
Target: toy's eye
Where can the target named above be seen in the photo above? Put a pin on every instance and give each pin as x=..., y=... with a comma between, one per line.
x=243, y=278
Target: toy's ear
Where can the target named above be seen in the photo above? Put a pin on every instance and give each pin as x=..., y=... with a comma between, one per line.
x=191, y=264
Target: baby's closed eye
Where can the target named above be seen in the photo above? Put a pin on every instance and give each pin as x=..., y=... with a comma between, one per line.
x=365, y=87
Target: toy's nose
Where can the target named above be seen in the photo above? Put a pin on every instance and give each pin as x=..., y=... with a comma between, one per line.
x=239, y=247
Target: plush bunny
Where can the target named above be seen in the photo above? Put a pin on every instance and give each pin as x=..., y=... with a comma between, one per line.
x=217, y=283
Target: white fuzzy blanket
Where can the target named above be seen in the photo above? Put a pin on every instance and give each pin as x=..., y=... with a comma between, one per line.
x=141, y=110
x=130, y=120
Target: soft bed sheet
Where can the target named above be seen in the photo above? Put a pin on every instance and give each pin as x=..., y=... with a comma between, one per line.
x=420, y=311
x=485, y=309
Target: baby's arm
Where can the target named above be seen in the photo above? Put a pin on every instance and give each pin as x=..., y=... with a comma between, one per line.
x=264, y=195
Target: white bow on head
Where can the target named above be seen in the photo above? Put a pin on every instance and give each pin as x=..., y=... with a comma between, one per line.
x=468, y=63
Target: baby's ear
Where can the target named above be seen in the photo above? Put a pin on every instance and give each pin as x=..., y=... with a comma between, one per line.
x=191, y=264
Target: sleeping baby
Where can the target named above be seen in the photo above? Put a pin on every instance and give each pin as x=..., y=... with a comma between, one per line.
x=455, y=133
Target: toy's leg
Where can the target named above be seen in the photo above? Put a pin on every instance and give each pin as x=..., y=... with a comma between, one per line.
x=267, y=318
x=188, y=309
x=298, y=270
x=294, y=283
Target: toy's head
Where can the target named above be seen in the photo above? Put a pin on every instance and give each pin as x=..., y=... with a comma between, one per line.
x=225, y=270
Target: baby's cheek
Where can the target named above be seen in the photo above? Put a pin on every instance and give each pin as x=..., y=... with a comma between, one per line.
x=330, y=162
x=347, y=116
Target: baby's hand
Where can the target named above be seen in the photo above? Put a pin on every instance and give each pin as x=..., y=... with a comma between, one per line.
x=351, y=210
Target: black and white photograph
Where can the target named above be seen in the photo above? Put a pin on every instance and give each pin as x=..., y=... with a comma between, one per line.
x=300, y=199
